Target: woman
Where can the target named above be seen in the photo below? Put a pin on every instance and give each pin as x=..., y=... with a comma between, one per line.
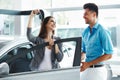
x=48, y=57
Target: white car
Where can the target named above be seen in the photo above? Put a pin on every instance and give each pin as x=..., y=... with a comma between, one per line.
x=11, y=48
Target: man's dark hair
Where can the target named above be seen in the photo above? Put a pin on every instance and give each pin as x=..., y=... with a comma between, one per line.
x=92, y=7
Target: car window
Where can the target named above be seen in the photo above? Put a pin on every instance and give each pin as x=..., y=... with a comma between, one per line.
x=68, y=51
x=8, y=56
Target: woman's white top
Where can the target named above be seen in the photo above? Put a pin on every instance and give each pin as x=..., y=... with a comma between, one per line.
x=46, y=63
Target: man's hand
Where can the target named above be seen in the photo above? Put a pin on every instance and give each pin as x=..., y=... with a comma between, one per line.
x=84, y=66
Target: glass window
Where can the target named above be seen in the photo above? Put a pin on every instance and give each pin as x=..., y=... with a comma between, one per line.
x=71, y=24
x=4, y=4
x=69, y=32
x=6, y=25
x=109, y=18
x=6, y=21
x=76, y=3
x=68, y=50
x=39, y=4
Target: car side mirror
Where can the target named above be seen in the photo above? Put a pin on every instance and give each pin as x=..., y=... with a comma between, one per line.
x=4, y=68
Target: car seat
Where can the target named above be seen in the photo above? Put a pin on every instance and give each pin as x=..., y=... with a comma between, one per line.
x=21, y=64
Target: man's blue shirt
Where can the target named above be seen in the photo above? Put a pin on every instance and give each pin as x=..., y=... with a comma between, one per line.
x=96, y=43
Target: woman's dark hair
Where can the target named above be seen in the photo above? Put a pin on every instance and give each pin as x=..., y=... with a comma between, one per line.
x=92, y=7
x=43, y=30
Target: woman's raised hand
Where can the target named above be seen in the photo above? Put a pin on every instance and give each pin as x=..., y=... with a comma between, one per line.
x=34, y=12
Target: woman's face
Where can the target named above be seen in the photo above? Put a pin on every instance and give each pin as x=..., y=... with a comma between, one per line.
x=51, y=24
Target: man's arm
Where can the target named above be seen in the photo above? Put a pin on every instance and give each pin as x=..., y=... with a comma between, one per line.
x=82, y=56
x=100, y=59
x=104, y=57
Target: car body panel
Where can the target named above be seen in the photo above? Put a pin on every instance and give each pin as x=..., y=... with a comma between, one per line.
x=57, y=74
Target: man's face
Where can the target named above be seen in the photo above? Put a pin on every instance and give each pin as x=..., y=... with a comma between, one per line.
x=89, y=16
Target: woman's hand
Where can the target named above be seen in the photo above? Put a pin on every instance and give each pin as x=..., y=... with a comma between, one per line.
x=56, y=49
x=34, y=12
x=51, y=43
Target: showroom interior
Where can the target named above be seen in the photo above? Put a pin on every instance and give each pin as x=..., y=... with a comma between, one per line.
x=69, y=22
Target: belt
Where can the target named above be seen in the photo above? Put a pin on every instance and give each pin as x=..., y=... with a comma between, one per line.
x=93, y=66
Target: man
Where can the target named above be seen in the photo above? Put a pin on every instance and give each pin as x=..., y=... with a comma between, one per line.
x=96, y=45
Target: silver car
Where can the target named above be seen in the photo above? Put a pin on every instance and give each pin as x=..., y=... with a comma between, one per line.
x=11, y=48
x=20, y=65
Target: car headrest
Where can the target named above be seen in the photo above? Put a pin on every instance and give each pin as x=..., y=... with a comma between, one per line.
x=13, y=52
x=25, y=55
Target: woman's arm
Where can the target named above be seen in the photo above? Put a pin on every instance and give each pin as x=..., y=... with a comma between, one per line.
x=30, y=19
x=58, y=51
x=29, y=27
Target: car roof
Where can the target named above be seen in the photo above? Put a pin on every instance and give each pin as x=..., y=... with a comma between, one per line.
x=6, y=45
